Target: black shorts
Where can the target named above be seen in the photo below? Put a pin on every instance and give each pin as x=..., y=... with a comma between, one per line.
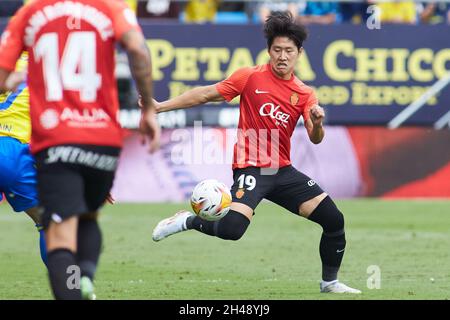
x=288, y=187
x=74, y=179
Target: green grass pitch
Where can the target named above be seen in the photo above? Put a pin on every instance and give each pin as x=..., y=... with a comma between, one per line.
x=276, y=259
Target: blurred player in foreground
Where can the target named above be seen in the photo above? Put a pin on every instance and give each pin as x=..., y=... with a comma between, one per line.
x=272, y=101
x=76, y=137
x=17, y=166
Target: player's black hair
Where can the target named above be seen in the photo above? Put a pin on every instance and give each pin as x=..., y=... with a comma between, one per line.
x=282, y=24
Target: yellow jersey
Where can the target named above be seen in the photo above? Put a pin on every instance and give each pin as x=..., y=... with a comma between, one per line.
x=398, y=12
x=200, y=11
x=15, y=109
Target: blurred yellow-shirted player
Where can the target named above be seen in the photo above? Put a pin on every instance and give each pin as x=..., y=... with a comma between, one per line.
x=17, y=166
x=15, y=109
x=398, y=12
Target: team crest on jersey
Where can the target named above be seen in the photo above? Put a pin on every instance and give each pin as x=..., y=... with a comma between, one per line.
x=294, y=99
x=240, y=193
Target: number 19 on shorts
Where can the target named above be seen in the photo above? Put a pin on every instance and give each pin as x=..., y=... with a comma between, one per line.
x=247, y=182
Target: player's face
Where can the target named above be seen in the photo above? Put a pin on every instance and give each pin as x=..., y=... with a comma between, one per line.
x=283, y=56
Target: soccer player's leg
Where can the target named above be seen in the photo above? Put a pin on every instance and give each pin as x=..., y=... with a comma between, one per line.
x=89, y=242
x=322, y=210
x=34, y=214
x=98, y=187
x=29, y=202
x=301, y=195
x=61, y=195
x=64, y=275
x=18, y=182
x=233, y=225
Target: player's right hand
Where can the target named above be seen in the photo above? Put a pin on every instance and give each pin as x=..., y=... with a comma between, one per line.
x=150, y=129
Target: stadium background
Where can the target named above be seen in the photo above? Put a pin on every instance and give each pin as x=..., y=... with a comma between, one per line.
x=363, y=77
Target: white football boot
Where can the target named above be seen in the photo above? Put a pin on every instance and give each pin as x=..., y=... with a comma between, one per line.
x=87, y=289
x=172, y=225
x=336, y=287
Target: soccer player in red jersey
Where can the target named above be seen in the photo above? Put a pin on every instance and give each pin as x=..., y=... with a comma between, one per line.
x=76, y=137
x=272, y=100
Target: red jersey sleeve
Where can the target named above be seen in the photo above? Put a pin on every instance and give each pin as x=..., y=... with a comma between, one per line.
x=11, y=43
x=123, y=18
x=234, y=84
x=312, y=100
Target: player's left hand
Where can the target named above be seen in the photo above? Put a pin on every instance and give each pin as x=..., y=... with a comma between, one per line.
x=316, y=114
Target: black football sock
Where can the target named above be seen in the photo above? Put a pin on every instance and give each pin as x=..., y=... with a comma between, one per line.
x=64, y=279
x=89, y=246
x=332, y=243
x=230, y=227
x=331, y=253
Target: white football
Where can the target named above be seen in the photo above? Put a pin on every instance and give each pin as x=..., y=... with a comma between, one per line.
x=211, y=199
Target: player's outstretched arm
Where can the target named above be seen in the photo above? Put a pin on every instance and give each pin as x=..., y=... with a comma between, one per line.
x=314, y=125
x=191, y=98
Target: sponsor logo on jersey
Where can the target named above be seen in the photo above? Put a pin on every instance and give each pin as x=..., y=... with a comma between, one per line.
x=85, y=115
x=272, y=111
x=311, y=182
x=75, y=155
x=6, y=127
x=92, y=118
